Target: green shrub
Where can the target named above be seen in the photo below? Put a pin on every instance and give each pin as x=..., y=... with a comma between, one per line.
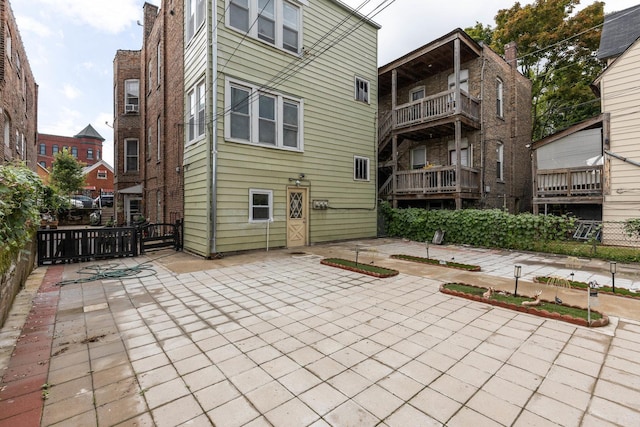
x=20, y=190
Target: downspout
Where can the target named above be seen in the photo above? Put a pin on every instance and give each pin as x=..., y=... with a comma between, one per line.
x=482, y=135
x=211, y=74
x=624, y=159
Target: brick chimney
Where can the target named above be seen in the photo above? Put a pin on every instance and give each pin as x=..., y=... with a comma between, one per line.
x=511, y=54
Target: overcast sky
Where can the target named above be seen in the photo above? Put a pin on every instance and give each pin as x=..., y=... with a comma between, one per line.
x=71, y=45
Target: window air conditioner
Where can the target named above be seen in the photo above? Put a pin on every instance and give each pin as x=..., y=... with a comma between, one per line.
x=131, y=108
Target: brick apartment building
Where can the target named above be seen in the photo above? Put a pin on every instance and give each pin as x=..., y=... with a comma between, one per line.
x=18, y=94
x=149, y=120
x=86, y=147
x=437, y=153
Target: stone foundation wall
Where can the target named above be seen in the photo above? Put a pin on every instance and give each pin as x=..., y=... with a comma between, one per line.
x=12, y=280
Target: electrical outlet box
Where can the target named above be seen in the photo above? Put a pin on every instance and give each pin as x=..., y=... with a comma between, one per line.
x=320, y=204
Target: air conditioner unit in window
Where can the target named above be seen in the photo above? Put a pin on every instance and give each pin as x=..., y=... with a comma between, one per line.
x=131, y=108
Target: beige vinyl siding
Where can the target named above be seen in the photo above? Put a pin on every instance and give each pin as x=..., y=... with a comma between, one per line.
x=197, y=174
x=620, y=98
x=336, y=128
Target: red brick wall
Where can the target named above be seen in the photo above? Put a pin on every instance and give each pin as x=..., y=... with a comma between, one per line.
x=18, y=95
x=81, y=144
x=126, y=65
x=99, y=184
x=163, y=100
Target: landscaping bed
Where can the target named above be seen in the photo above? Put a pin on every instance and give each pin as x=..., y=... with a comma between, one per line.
x=571, y=314
x=622, y=292
x=431, y=261
x=371, y=270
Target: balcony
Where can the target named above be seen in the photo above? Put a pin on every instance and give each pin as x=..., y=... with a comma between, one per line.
x=427, y=112
x=569, y=185
x=431, y=182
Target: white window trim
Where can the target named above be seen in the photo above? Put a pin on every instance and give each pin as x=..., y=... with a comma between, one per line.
x=355, y=161
x=416, y=90
x=159, y=139
x=279, y=23
x=159, y=62
x=150, y=83
x=126, y=155
x=500, y=157
x=500, y=97
x=464, y=80
x=413, y=156
x=464, y=145
x=269, y=193
x=254, y=116
x=357, y=79
x=192, y=107
x=135, y=107
x=101, y=174
x=198, y=21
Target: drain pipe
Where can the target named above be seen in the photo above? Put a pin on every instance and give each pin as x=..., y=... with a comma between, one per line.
x=268, y=224
x=624, y=159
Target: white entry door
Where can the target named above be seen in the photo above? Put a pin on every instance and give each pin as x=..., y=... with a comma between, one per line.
x=297, y=230
x=132, y=207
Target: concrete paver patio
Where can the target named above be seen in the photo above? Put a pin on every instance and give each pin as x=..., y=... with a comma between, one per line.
x=278, y=339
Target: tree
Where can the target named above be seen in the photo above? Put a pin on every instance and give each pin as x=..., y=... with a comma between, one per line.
x=480, y=33
x=66, y=175
x=557, y=52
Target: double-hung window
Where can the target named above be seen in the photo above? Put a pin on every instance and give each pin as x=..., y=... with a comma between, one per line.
x=131, y=95
x=195, y=16
x=54, y=150
x=260, y=205
x=361, y=90
x=500, y=161
x=263, y=118
x=43, y=149
x=196, y=105
x=74, y=152
x=277, y=22
x=131, y=155
x=159, y=62
x=360, y=168
x=89, y=154
x=158, y=139
x=499, y=98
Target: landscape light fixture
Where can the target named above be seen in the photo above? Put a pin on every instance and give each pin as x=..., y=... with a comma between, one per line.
x=517, y=272
x=612, y=269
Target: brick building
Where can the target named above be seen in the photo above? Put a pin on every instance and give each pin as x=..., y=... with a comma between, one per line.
x=86, y=147
x=148, y=120
x=18, y=94
x=438, y=153
x=98, y=179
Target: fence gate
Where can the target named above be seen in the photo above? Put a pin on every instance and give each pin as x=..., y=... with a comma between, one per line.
x=161, y=235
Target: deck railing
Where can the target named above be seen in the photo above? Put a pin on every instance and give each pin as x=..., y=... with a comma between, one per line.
x=581, y=181
x=440, y=179
x=434, y=107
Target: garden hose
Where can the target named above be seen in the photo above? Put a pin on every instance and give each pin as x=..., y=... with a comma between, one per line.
x=95, y=272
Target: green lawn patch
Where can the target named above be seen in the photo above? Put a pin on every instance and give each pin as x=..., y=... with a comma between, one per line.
x=572, y=314
x=369, y=269
x=623, y=292
x=431, y=261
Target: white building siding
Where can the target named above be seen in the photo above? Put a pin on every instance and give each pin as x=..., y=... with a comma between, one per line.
x=621, y=98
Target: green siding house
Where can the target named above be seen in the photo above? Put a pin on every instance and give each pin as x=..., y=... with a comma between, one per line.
x=280, y=124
